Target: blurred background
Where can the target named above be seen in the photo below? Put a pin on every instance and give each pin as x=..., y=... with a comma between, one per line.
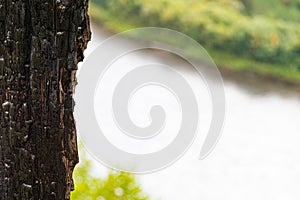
x=256, y=46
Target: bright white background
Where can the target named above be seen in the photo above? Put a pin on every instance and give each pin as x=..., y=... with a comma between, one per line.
x=257, y=157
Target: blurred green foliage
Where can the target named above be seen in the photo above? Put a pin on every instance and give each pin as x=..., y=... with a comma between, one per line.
x=278, y=9
x=218, y=24
x=246, y=28
x=116, y=186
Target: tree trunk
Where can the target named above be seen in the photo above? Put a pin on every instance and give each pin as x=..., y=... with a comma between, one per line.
x=41, y=43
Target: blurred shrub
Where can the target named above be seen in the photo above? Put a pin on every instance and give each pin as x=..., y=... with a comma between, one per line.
x=219, y=24
x=116, y=186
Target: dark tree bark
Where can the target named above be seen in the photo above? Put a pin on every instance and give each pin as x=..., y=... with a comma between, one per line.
x=41, y=42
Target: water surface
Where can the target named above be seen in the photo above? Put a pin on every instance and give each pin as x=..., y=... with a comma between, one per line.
x=257, y=157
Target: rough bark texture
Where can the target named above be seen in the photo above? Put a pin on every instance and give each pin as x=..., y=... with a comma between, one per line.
x=41, y=42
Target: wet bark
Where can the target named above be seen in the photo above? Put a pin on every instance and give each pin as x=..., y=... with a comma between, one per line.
x=41, y=43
